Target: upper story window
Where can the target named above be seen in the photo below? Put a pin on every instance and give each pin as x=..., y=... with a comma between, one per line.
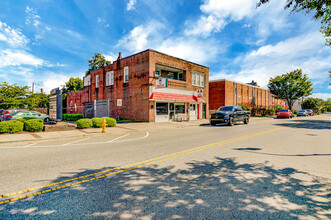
x=194, y=76
x=126, y=74
x=97, y=81
x=110, y=78
x=198, y=79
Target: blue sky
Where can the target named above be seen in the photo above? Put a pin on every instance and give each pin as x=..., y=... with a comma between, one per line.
x=49, y=41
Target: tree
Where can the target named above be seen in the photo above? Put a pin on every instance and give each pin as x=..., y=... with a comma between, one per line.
x=73, y=85
x=13, y=96
x=290, y=86
x=96, y=62
x=321, y=8
x=312, y=103
x=38, y=100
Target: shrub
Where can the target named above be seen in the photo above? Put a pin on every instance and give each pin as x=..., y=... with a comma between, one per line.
x=34, y=125
x=11, y=126
x=72, y=117
x=84, y=123
x=111, y=122
x=270, y=111
x=295, y=112
x=246, y=106
x=97, y=122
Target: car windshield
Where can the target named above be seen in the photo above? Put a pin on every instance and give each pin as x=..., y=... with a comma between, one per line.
x=15, y=113
x=226, y=109
x=302, y=111
x=283, y=110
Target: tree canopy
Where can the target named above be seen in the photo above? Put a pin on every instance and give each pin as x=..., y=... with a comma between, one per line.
x=321, y=8
x=14, y=96
x=290, y=86
x=73, y=85
x=312, y=103
x=96, y=62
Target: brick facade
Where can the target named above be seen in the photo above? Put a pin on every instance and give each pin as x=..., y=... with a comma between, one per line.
x=137, y=94
x=224, y=92
x=75, y=103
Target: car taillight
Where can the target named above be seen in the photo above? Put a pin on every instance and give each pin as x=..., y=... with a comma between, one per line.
x=9, y=116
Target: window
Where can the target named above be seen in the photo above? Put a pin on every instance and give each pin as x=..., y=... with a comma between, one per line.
x=202, y=80
x=194, y=78
x=157, y=73
x=97, y=81
x=247, y=94
x=198, y=80
x=112, y=78
x=126, y=74
x=71, y=106
x=241, y=90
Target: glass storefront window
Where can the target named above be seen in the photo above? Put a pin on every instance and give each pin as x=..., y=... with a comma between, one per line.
x=180, y=108
x=162, y=108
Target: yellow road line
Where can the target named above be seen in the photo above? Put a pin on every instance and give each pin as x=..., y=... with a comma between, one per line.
x=156, y=160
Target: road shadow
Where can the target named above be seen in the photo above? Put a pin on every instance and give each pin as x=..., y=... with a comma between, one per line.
x=222, y=189
x=316, y=124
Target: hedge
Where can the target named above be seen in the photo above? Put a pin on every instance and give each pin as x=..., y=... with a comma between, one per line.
x=97, y=122
x=84, y=123
x=72, y=117
x=111, y=122
x=11, y=126
x=34, y=125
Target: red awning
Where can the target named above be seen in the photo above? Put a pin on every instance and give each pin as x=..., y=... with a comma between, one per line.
x=175, y=97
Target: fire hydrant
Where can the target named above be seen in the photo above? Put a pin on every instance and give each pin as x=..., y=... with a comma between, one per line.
x=104, y=125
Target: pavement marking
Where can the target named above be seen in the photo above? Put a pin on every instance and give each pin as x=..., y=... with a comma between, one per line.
x=29, y=145
x=75, y=142
x=134, y=139
x=117, y=138
x=143, y=164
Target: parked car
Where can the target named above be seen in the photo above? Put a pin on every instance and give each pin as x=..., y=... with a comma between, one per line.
x=229, y=115
x=310, y=112
x=7, y=112
x=30, y=114
x=302, y=113
x=284, y=114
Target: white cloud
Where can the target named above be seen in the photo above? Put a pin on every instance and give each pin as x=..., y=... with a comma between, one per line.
x=32, y=17
x=236, y=10
x=110, y=56
x=131, y=5
x=139, y=37
x=53, y=80
x=306, y=52
x=217, y=13
x=324, y=96
x=18, y=57
x=205, y=26
x=189, y=49
x=13, y=37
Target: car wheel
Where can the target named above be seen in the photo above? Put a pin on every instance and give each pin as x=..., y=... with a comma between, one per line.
x=231, y=121
x=246, y=121
x=46, y=120
x=212, y=123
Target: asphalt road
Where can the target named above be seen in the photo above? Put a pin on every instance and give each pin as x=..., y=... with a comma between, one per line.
x=268, y=169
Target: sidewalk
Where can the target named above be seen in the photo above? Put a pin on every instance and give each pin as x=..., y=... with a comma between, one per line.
x=121, y=128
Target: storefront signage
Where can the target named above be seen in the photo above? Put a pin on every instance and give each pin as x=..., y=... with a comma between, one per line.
x=119, y=102
x=161, y=83
x=199, y=93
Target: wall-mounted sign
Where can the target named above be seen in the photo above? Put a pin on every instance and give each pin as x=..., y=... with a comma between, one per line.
x=119, y=102
x=161, y=83
x=199, y=93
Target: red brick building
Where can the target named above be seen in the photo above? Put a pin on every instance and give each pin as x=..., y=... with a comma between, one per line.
x=147, y=86
x=225, y=92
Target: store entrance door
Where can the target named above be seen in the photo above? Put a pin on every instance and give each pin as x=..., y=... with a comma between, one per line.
x=193, y=112
x=161, y=114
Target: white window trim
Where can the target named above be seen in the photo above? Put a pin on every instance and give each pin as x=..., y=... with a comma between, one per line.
x=97, y=81
x=198, y=79
x=126, y=73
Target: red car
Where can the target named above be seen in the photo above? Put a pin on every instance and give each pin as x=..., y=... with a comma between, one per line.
x=284, y=114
